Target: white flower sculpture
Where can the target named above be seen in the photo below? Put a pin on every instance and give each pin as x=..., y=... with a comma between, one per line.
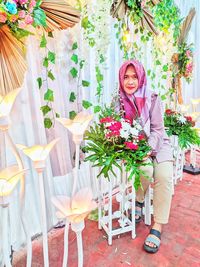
x=6, y=103
x=9, y=177
x=75, y=209
x=78, y=125
x=38, y=153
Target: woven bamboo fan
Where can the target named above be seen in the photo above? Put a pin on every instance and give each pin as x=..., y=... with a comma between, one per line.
x=60, y=15
x=12, y=61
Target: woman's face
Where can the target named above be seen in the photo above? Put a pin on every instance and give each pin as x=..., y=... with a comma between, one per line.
x=130, y=80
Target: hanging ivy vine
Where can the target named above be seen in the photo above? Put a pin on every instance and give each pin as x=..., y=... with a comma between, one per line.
x=43, y=82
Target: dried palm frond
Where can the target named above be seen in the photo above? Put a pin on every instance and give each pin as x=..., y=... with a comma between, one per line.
x=186, y=25
x=59, y=14
x=147, y=21
x=156, y=2
x=118, y=9
x=12, y=61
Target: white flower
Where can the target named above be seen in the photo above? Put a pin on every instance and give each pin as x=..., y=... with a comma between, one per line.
x=182, y=119
x=124, y=134
x=134, y=131
x=126, y=126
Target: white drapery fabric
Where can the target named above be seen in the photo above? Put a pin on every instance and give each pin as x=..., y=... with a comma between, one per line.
x=27, y=127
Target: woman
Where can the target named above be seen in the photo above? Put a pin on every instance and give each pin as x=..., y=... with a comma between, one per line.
x=138, y=102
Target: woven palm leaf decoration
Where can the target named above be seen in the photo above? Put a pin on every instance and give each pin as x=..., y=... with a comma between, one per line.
x=59, y=14
x=119, y=9
x=12, y=61
x=184, y=30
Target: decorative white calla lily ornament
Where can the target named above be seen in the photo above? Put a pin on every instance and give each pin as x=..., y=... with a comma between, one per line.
x=6, y=103
x=76, y=208
x=77, y=126
x=9, y=178
x=38, y=155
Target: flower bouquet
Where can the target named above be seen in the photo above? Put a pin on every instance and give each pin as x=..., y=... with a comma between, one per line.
x=19, y=15
x=182, y=126
x=115, y=140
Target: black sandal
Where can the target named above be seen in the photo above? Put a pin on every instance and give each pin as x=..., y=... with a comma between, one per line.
x=138, y=212
x=153, y=240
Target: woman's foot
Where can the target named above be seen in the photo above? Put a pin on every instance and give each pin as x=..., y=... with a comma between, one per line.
x=152, y=242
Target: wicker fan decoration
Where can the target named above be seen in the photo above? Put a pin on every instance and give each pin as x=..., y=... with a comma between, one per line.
x=119, y=9
x=59, y=14
x=176, y=58
x=12, y=61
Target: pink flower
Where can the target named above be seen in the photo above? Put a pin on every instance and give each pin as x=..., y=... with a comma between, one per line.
x=32, y=3
x=22, y=14
x=141, y=137
x=115, y=126
x=3, y=17
x=128, y=119
x=28, y=19
x=22, y=2
x=188, y=53
x=107, y=119
x=189, y=67
x=131, y=145
x=22, y=24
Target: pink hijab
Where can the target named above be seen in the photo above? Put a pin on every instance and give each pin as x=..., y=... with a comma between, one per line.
x=137, y=104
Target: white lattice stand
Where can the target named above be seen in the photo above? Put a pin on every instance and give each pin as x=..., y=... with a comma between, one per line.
x=179, y=159
x=116, y=222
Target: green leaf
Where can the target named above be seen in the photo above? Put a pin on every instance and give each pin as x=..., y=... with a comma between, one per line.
x=72, y=97
x=74, y=72
x=50, y=75
x=85, y=83
x=165, y=68
x=75, y=46
x=86, y=104
x=51, y=57
x=84, y=23
x=49, y=95
x=57, y=115
x=74, y=58
x=72, y=114
x=39, y=17
x=158, y=62
x=43, y=42
x=39, y=81
x=48, y=123
x=45, y=109
x=46, y=62
x=97, y=109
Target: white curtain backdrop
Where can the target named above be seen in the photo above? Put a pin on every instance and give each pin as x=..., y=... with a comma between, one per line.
x=27, y=127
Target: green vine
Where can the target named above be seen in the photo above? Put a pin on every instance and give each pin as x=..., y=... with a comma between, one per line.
x=48, y=111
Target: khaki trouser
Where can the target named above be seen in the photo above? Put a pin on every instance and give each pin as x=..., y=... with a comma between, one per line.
x=162, y=190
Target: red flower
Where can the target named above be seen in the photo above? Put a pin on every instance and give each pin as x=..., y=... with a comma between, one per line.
x=115, y=126
x=128, y=119
x=131, y=145
x=141, y=137
x=169, y=111
x=188, y=118
x=107, y=119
